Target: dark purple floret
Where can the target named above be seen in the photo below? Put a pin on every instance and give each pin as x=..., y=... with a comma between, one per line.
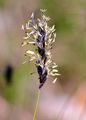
x=39, y=39
x=42, y=32
x=41, y=51
x=43, y=77
x=43, y=43
x=39, y=70
x=45, y=59
x=40, y=86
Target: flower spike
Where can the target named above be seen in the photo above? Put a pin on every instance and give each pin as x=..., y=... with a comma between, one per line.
x=38, y=33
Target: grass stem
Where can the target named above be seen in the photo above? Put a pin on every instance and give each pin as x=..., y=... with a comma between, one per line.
x=35, y=110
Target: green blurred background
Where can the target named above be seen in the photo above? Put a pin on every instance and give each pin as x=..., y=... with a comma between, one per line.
x=19, y=98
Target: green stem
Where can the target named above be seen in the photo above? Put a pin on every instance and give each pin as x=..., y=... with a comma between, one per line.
x=35, y=110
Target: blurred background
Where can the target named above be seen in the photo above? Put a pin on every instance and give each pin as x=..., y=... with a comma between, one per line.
x=64, y=100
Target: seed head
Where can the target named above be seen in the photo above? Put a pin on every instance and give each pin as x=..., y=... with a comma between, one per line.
x=38, y=33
